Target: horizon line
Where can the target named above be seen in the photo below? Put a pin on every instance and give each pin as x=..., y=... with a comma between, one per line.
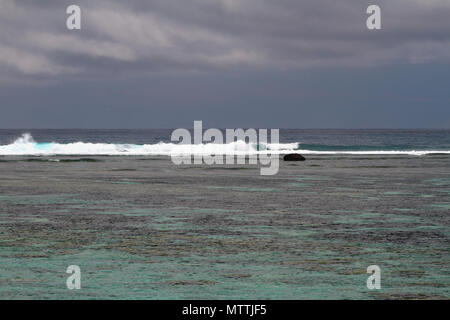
x=318, y=128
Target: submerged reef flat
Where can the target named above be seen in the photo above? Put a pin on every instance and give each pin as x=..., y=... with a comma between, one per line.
x=153, y=230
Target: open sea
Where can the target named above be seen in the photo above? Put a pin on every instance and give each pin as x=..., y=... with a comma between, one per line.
x=141, y=227
x=158, y=142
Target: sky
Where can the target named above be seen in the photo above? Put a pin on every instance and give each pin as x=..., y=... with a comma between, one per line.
x=230, y=63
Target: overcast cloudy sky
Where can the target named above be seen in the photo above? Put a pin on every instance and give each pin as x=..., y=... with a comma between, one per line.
x=231, y=63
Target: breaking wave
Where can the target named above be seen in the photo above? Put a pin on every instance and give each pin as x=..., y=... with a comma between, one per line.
x=26, y=145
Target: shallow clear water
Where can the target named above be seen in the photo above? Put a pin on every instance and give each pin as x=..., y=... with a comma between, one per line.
x=144, y=228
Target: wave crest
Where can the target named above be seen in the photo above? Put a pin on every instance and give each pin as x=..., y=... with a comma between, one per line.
x=26, y=145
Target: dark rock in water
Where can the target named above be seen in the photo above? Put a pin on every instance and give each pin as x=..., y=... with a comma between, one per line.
x=294, y=157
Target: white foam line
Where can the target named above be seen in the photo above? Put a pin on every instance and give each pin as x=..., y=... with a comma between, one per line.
x=26, y=146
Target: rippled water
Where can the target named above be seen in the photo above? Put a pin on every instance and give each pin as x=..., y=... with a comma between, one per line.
x=143, y=228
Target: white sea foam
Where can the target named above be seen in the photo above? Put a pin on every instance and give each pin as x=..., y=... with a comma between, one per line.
x=26, y=145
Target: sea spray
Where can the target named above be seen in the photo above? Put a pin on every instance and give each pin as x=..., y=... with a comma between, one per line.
x=26, y=145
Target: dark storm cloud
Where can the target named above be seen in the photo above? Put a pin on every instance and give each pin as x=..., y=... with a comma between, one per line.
x=141, y=36
x=231, y=63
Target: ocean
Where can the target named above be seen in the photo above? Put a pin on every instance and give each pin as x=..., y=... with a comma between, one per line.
x=141, y=227
x=158, y=142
